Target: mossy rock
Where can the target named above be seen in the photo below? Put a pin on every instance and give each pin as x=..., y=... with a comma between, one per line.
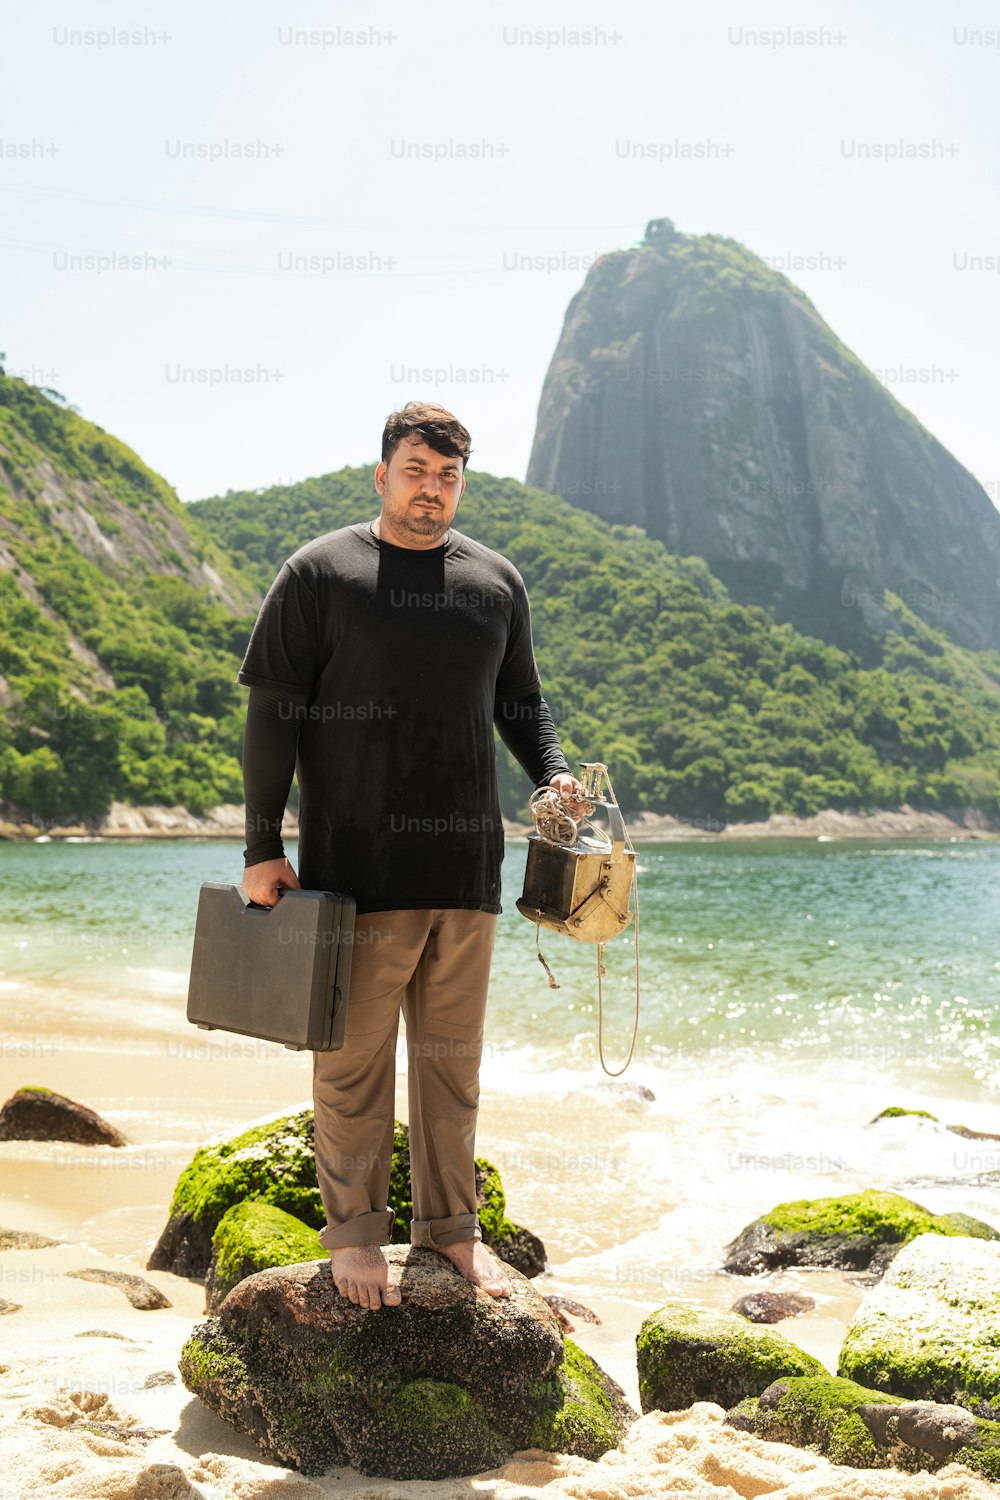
x=250, y=1237
x=867, y=1429
x=931, y=1329
x=580, y=1408
x=514, y=1244
x=433, y=1429
x=896, y=1111
x=449, y=1382
x=276, y=1412
x=855, y=1232
x=274, y=1163
x=687, y=1355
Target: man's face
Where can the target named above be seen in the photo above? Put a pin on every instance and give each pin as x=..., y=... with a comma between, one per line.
x=420, y=491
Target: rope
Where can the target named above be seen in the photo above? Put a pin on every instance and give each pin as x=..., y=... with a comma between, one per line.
x=601, y=969
x=555, y=823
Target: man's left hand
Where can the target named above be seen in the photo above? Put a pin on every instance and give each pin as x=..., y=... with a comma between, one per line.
x=570, y=791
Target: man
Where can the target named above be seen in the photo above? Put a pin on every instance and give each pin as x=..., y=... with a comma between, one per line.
x=382, y=656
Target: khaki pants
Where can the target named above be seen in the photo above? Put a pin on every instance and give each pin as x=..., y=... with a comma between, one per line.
x=434, y=963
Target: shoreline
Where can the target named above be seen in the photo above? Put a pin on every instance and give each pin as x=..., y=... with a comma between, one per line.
x=76, y=1351
x=124, y=822
x=635, y=1187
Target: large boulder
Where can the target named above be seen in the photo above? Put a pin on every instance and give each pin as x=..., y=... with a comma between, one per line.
x=34, y=1113
x=931, y=1329
x=451, y=1381
x=868, y=1429
x=275, y=1163
x=855, y=1232
x=686, y=1355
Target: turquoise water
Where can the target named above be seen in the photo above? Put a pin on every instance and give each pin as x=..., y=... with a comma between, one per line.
x=885, y=954
x=791, y=990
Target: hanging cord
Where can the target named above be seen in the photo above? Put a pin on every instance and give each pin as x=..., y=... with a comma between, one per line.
x=601, y=970
x=555, y=824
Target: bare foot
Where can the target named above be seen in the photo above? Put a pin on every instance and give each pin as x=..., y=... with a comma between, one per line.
x=361, y=1273
x=477, y=1264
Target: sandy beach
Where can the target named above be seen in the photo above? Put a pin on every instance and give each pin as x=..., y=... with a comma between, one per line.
x=78, y=1349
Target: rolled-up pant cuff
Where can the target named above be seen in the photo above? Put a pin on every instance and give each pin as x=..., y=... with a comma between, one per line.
x=363, y=1229
x=449, y=1231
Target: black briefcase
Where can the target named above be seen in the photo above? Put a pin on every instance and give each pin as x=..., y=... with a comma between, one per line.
x=278, y=972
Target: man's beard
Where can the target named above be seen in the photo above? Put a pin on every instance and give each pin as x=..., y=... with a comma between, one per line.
x=410, y=518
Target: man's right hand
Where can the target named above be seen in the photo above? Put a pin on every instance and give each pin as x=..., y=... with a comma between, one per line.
x=264, y=883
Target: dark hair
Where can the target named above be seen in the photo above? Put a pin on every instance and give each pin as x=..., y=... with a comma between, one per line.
x=427, y=423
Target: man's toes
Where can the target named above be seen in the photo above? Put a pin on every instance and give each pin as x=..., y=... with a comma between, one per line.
x=392, y=1293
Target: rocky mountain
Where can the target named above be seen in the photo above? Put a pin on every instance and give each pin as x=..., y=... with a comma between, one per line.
x=699, y=394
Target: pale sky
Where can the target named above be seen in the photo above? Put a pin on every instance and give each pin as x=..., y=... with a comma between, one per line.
x=868, y=148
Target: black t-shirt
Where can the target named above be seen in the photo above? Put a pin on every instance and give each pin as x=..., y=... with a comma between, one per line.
x=396, y=662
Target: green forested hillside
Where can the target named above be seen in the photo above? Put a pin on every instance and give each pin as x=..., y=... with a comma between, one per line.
x=126, y=614
x=700, y=706
x=122, y=624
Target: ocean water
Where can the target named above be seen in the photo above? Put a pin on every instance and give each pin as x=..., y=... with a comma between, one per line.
x=833, y=951
x=790, y=990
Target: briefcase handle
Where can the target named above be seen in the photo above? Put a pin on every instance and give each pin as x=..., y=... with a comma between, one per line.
x=249, y=905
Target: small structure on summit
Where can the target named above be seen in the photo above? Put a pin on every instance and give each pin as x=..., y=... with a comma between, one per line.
x=659, y=232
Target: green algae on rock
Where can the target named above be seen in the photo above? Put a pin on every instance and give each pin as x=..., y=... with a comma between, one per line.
x=581, y=1409
x=896, y=1111
x=250, y=1237
x=274, y=1163
x=854, y=1232
x=868, y=1429
x=931, y=1329
x=686, y=1354
x=449, y=1382
x=434, y=1429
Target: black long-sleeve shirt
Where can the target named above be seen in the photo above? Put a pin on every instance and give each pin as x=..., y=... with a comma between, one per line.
x=377, y=672
x=271, y=736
